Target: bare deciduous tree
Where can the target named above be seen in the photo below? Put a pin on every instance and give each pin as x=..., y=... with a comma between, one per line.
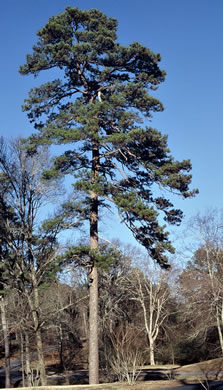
x=150, y=290
x=126, y=357
x=201, y=282
x=30, y=252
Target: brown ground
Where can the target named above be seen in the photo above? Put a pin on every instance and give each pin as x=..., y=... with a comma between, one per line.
x=148, y=385
x=208, y=367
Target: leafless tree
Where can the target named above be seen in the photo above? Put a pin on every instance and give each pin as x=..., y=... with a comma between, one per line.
x=126, y=357
x=31, y=255
x=201, y=282
x=6, y=335
x=135, y=293
x=150, y=290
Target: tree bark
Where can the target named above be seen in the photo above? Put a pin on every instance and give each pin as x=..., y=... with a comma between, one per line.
x=93, y=329
x=22, y=358
x=6, y=342
x=41, y=362
x=93, y=277
x=149, y=330
x=219, y=329
x=34, y=306
x=28, y=367
x=151, y=352
x=61, y=347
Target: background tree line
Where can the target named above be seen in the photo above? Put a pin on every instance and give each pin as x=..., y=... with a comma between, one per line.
x=146, y=314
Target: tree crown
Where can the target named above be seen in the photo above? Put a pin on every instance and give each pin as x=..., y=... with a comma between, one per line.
x=100, y=109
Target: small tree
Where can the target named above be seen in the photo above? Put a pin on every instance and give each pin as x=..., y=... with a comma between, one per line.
x=99, y=108
x=126, y=357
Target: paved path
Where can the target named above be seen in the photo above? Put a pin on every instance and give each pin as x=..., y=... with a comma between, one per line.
x=213, y=385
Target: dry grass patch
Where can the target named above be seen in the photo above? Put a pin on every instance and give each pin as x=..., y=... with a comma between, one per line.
x=148, y=385
x=207, y=370
x=209, y=365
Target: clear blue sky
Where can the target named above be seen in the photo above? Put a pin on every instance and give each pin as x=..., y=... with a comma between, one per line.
x=189, y=36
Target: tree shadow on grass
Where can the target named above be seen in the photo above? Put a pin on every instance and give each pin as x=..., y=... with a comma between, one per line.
x=202, y=385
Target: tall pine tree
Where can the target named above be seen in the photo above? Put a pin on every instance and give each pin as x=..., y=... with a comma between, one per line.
x=99, y=106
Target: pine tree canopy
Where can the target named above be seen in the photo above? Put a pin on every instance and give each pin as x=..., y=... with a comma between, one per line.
x=100, y=106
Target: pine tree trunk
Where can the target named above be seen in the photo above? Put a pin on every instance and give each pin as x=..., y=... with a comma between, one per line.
x=93, y=278
x=6, y=342
x=93, y=328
